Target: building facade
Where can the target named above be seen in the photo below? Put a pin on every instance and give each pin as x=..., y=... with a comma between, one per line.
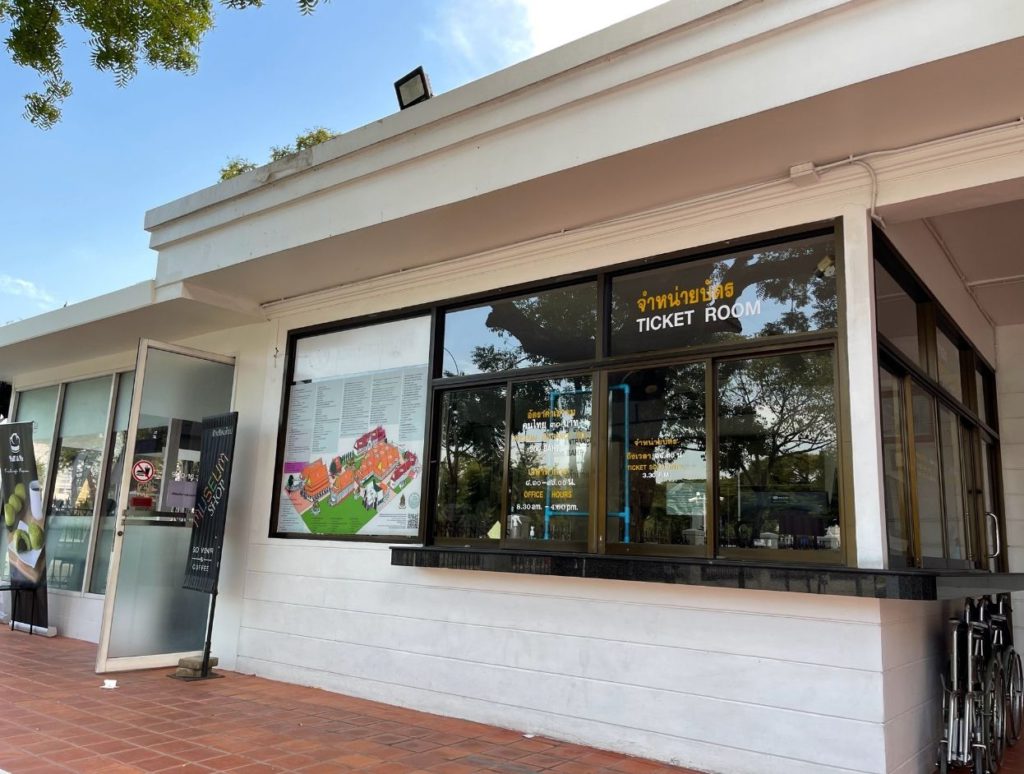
x=658, y=391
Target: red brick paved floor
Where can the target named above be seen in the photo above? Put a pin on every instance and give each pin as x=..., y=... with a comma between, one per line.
x=56, y=718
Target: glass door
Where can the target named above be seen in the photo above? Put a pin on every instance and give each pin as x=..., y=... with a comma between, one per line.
x=149, y=620
x=990, y=508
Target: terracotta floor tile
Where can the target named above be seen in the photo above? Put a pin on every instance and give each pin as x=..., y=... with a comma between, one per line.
x=541, y=761
x=292, y=762
x=454, y=767
x=60, y=721
x=227, y=762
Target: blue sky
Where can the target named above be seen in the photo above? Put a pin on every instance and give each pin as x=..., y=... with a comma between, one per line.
x=73, y=198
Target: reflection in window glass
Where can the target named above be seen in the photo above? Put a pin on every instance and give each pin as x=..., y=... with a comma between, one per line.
x=770, y=291
x=549, y=458
x=470, y=460
x=115, y=469
x=554, y=326
x=952, y=484
x=981, y=386
x=83, y=427
x=778, y=480
x=657, y=463
x=894, y=469
x=929, y=485
x=949, y=364
x=896, y=314
x=40, y=408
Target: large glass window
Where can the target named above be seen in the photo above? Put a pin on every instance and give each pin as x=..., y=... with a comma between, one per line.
x=894, y=469
x=954, y=474
x=770, y=291
x=40, y=408
x=353, y=445
x=115, y=469
x=948, y=362
x=938, y=495
x=896, y=314
x=778, y=477
x=83, y=427
x=549, y=460
x=927, y=469
x=469, y=463
x=553, y=326
x=619, y=438
x=657, y=457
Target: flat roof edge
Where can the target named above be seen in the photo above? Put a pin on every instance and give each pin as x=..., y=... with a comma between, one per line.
x=596, y=46
x=91, y=310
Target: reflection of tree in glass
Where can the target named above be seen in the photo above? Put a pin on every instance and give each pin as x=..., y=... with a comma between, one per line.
x=472, y=452
x=787, y=276
x=665, y=403
x=570, y=458
x=556, y=326
x=777, y=434
x=80, y=465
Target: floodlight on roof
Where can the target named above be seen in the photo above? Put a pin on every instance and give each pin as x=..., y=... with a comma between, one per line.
x=413, y=88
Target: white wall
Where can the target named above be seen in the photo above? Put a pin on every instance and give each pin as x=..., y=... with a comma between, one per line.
x=1010, y=400
x=913, y=655
x=723, y=680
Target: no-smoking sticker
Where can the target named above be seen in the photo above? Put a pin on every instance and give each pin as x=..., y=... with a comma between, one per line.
x=143, y=471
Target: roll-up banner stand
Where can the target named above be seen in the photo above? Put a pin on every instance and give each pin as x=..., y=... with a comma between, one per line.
x=217, y=452
x=24, y=528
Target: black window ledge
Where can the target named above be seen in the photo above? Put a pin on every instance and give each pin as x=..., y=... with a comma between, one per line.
x=718, y=573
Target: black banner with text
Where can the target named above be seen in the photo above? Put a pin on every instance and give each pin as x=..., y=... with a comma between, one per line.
x=24, y=521
x=217, y=451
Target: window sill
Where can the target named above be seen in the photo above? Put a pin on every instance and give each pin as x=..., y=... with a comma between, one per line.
x=718, y=573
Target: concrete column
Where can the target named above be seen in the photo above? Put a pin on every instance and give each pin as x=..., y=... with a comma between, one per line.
x=862, y=439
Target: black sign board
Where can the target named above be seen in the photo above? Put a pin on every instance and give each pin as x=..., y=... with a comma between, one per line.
x=217, y=452
x=24, y=524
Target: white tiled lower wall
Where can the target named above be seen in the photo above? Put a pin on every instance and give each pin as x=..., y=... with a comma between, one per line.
x=718, y=679
x=913, y=654
x=75, y=615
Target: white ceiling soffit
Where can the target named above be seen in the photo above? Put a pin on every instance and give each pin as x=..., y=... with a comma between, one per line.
x=114, y=323
x=985, y=247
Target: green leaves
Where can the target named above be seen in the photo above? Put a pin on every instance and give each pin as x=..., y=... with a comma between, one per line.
x=237, y=165
x=234, y=167
x=165, y=34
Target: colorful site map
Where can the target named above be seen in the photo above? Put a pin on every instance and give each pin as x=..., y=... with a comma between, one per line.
x=343, y=495
x=352, y=455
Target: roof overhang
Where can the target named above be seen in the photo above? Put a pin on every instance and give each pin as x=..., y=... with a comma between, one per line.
x=113, y=323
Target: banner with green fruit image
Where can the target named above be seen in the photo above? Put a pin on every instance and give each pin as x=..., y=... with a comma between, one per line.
x=24, y=521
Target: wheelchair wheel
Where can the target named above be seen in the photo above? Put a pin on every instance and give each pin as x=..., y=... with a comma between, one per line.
x=1014, y=676
x=993, y=718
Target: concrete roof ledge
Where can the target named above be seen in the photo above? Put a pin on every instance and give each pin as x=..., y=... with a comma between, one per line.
x=92, y=310
x=596, y=46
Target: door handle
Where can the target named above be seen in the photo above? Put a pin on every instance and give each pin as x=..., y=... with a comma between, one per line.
x=995, y=523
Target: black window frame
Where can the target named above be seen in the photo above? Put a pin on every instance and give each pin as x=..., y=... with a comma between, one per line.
x=598, y=368
x=933, y=319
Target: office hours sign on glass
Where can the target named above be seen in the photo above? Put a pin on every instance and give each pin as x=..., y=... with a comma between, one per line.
x=353, y=454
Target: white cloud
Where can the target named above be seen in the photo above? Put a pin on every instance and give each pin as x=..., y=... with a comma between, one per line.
x=490, y=34
x=20, y=288
x=551, y=23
